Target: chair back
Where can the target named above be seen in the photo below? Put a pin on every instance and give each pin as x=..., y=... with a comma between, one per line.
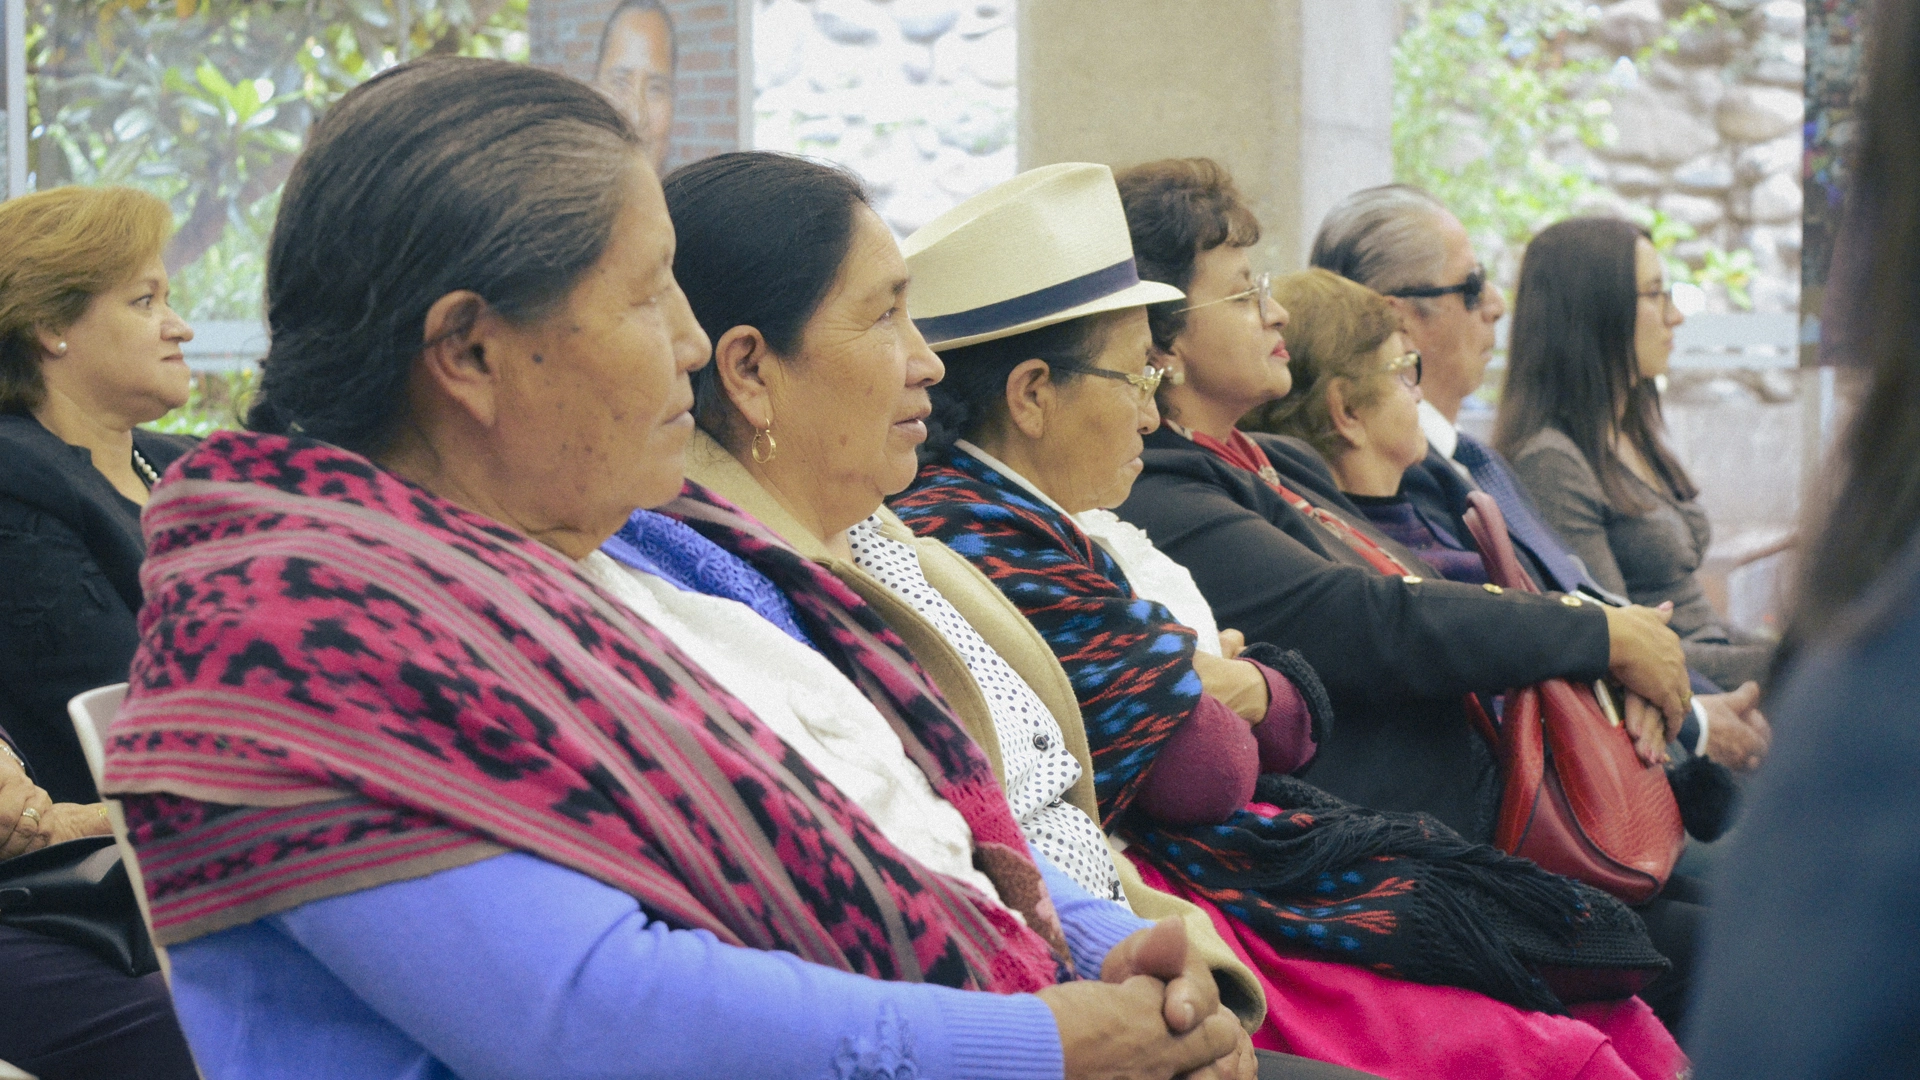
x=92, y=712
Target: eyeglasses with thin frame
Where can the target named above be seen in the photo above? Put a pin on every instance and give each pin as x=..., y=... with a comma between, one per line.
x=1408, y=367
x=1471, y=290
x=1147, y=382
x=1262, y=290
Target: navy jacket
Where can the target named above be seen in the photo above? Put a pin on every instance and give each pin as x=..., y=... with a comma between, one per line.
x=1813, y=961
x=1439, y=495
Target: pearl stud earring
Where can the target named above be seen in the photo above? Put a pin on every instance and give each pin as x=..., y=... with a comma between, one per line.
x=61, y=348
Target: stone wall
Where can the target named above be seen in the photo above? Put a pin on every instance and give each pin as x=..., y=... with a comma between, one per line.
x=1710, y=134
x=564, y=35
x=917, y=96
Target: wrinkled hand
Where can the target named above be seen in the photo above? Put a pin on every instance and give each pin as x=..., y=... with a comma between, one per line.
x=1738, y=735
x=1232, y=643
x=1110, y=1032
x=19, y=831
x=1161, y=952
x=71, y=821
x=1644, y=656
x=1237, y=683
x=1648, y=728
x=1238, y=1065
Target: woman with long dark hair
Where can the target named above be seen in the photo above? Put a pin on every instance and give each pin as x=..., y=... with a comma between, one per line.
x=1813, y=969
x=1593, y=326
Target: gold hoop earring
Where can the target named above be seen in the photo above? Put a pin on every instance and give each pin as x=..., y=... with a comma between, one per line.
x=772, y=447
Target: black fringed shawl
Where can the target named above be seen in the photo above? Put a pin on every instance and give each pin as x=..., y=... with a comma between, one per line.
x=1399, y=893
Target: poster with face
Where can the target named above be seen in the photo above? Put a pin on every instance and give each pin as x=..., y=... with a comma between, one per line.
x=670, y=66
x=635, y=66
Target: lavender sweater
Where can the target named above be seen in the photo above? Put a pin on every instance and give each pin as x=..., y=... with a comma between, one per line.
x=515, y=967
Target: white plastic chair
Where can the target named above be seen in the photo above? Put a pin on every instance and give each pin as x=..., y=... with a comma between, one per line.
x=92, y=712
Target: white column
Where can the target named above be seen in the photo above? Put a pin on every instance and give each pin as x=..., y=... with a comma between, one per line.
x=15, y=63
x=1293, y=96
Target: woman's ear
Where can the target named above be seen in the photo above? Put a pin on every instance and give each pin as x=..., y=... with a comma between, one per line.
x=52, y=342
x=461, y=358
x=1169, y=362
x=1346, y=422
x=741, y=359
x=1030, y=398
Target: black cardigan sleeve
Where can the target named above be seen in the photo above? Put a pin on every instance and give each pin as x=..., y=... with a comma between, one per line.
x=64, y=629
x=1273, y=575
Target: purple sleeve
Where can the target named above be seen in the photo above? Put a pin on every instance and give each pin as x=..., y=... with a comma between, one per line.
x=1093, y=925
x=1286, y=735
x=1205, y=770
x=578, y=982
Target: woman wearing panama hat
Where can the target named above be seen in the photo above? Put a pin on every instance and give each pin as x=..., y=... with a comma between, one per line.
x=1386, y=942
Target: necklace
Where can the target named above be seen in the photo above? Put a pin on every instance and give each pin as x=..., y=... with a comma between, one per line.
x=146, y=470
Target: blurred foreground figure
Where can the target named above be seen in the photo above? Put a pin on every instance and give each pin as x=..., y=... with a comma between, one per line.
x=1813, y=968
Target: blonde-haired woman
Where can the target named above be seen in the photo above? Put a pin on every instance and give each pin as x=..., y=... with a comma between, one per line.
x=1355, y=401
x=89, y=349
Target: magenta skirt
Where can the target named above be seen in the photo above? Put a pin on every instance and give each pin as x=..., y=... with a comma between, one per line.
x=1411, y=1031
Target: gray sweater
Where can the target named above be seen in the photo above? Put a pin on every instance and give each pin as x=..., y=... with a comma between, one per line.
x=1651, y=557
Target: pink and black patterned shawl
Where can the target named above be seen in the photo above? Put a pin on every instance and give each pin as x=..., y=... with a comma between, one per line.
x=344, y=680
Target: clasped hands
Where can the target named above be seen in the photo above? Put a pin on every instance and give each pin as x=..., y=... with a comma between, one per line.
x=1238, y=684
x=1646, y=659
x=1155, y=1014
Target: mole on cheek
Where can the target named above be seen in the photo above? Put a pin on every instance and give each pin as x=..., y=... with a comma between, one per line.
x=538, y=359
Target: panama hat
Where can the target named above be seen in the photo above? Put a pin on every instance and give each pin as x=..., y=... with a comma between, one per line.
x=1047, y=246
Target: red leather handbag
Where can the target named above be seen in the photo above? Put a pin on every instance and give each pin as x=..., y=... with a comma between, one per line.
x=1577, y=800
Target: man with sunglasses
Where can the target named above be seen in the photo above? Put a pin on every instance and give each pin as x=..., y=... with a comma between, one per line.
x=1403, y=243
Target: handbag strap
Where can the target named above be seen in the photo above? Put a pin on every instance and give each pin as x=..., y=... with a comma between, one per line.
x=1489, y=529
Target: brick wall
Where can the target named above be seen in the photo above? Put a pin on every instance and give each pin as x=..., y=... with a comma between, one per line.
x=706, y=115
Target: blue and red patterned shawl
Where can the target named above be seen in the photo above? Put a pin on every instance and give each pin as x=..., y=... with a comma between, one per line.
x=1399, y=893
x=344, y=680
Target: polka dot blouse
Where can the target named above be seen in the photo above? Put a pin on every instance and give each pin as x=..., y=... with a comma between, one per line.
x=1039, y=768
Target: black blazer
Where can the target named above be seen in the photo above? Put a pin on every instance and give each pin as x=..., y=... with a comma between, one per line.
x=70, y=551
x=1397, y=657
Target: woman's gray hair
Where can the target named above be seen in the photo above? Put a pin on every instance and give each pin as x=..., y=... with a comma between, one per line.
x=442, y=174
x=1385, y=238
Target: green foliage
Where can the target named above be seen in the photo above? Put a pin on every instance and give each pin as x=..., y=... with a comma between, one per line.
x=217, y=401
x=1730, y=271
x=205, y=103
x=1493, y=100
x=1481, y=90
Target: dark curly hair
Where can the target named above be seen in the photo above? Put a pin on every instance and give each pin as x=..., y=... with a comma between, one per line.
x=1176, y=209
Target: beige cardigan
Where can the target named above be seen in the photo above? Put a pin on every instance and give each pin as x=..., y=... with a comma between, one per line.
x=981, y=603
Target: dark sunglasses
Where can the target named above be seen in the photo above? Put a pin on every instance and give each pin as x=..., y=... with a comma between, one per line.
x=1470, y=290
